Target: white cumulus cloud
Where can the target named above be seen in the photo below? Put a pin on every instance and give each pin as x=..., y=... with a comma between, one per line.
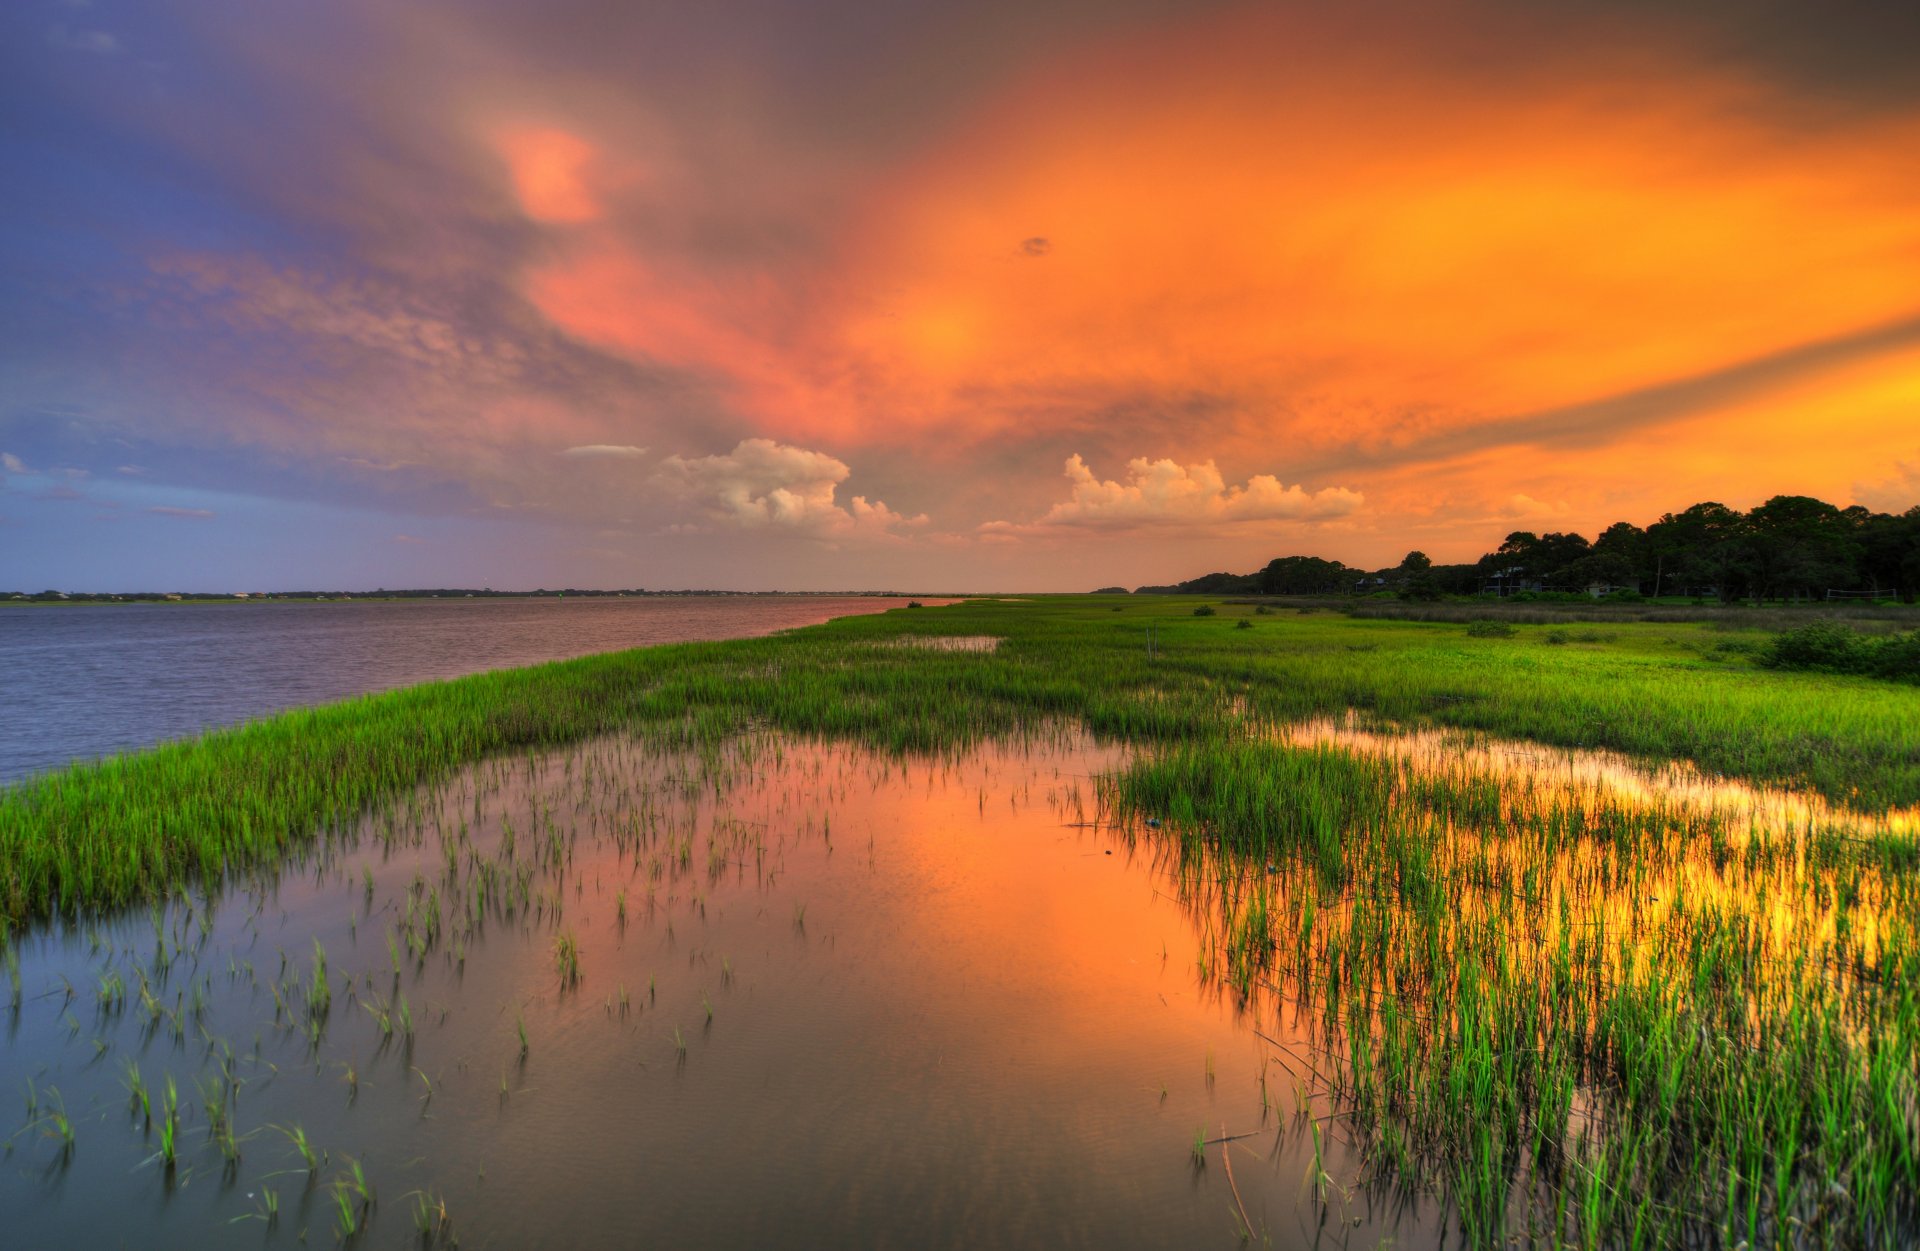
x=766, y=485
x=1166, y=493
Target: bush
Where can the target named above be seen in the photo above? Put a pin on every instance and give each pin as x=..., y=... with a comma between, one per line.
x=1821, y=645
x=1895, y=657
x=1828, y=647
x=1205, y=610
x=1245, y=623
x=1489, y=630
x=1557, y=637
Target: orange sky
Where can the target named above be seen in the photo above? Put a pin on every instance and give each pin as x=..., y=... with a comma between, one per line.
x=1286, y=278
x=1358, y=248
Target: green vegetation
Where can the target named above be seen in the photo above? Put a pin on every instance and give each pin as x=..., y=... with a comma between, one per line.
x=1831, y=647
x=1792, y=547
x=135, y=827
x=1671, y=1029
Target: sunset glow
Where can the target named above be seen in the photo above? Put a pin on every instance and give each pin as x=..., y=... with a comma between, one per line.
x=829, y=298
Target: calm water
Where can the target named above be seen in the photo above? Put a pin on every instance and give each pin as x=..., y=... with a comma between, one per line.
x=81, y=681
x=823, y=1000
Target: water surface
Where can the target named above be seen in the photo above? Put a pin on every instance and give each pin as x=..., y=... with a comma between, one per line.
x=823, y=999
x=84, y=680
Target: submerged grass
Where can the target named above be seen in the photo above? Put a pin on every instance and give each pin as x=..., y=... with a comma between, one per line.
x=1582, y=1019
x=133, y=827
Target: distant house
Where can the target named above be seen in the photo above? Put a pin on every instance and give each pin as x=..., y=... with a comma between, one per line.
x=1509, y=581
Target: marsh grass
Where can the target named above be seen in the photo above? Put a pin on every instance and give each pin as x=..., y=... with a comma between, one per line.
x=1651, y=1028
x=201, y=808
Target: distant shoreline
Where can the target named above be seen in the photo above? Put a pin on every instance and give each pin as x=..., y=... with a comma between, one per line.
x=21, y=599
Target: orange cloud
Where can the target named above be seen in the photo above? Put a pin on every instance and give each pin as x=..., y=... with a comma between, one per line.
x=1346, y=245
x=1363, y=241
x=548, y=167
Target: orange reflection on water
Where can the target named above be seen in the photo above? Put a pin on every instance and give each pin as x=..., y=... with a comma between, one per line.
x=1584, y=777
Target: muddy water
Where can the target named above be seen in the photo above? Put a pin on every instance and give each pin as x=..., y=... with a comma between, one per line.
x=822, y=1000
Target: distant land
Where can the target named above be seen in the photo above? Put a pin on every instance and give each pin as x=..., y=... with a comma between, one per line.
x=150, y=597
x=1793, y=547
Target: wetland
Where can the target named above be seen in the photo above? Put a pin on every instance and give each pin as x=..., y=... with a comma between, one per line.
x=982, y=925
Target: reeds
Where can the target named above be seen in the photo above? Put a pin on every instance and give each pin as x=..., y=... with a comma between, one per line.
x=1650, y=1028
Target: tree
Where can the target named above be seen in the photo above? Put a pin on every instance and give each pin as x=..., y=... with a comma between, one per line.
x=1614, y=559
x=1543, y=558
x=1799, y=545
x=1693, y=551
x=1302, y=575
x=1889, y=547
x=1417, y=581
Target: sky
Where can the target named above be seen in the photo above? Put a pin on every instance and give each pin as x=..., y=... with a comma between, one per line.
x=855, y=294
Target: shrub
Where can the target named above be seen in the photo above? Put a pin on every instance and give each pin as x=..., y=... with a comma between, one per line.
x=1556, y=637
x=1245, y=623
x=1205, y=610
x=1896, y=657
x=1829, y=647
x=1820, y=645
x=1489, y=630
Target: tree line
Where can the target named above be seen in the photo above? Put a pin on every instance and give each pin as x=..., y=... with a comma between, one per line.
x=1791, y=547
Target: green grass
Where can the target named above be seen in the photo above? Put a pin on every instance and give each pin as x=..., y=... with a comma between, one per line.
x=1736, y=1011
x=136, y=827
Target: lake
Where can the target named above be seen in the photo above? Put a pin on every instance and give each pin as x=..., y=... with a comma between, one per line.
x=88, y=680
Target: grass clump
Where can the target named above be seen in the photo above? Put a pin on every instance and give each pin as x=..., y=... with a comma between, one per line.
x=566, y=958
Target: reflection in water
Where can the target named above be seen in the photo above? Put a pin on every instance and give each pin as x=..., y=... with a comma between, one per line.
x=790, y=994
x=1583, y=1007
x=822, y=998
x=1586, y=776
